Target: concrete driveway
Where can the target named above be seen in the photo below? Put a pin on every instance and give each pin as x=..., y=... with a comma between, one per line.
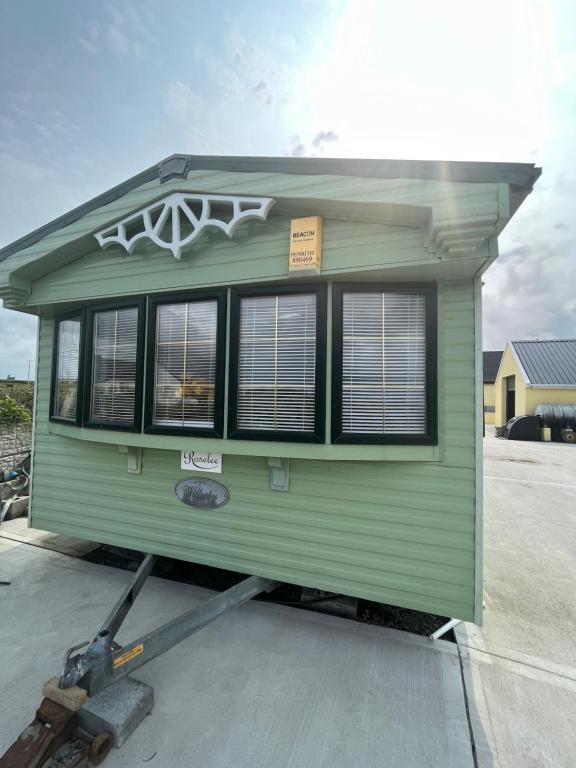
x=273, y=687
x=265, y=686
x=520, y=667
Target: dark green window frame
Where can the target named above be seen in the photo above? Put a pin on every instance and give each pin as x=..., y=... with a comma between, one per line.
x=79, y=316
x=143, y=410
x=134, y=424
x=313, y=436
x=430, y=435
x=189, y=297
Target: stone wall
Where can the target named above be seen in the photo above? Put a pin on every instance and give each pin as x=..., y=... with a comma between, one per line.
x=15, y=444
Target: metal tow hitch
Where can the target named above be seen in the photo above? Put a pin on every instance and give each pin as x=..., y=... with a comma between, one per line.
x=54, y=739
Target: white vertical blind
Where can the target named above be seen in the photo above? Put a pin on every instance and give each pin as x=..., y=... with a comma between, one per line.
x=384, y=363
x=67, y=366
x=277, y=363
x=185, y=369
x=114, y=365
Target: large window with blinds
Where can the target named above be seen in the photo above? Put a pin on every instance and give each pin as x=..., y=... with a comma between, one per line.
x=66, y=375
x=384, y=356
x=277, y=364
x=383, y=364
x=186, y=347
x=114, y=367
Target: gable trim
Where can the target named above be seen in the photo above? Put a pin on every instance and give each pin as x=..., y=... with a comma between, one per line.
x=520, y=176
x=520, y=366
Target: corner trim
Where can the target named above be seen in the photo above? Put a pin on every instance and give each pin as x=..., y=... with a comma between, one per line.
x=479, y=466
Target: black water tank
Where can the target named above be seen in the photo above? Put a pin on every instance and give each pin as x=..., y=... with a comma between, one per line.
x=522, y=428
x=560, y=418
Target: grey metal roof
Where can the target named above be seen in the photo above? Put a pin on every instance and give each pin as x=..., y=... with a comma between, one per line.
x=548, y=363
x=491, y=363
x=521, y=177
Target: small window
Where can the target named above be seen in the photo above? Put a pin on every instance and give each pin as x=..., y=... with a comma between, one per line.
x=186, y=380
x=66, y=369
x=384, y=355
x=277, y=371
x=115, y=363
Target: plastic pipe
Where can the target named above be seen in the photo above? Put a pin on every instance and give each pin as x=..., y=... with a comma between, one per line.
x=444, y=628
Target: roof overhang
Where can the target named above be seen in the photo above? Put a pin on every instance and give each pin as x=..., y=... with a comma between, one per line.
x=520, y=176
x=453, y=227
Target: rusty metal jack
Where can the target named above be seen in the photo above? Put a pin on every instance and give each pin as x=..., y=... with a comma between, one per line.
x=54, y=740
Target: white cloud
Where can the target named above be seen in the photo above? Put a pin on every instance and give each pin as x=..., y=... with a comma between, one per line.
x=29, y=182
x=529, y=292
x=409, y=80
x=55, y=123
x=404, y=81
x=124, y=33
x=182, y=104
x=231, y=84
x=119, y=42
x=90, y=40
x=256, y=70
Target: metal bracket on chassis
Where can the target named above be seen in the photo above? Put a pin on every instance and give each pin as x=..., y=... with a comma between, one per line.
x=104, y=661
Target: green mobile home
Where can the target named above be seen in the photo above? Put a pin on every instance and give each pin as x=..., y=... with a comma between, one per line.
x=218, y=383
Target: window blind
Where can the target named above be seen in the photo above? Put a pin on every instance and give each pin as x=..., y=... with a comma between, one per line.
x=67, y=368
x=185, y=367
x=277, y=363
x=384, y=363
x=114, y=349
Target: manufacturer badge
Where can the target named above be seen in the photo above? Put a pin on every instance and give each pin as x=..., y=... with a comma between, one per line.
x=202, y=493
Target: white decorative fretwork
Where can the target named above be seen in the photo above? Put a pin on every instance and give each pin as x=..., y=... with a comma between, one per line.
x=179, y=218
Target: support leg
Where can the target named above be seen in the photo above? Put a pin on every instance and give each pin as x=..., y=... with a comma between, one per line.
x=114, y=620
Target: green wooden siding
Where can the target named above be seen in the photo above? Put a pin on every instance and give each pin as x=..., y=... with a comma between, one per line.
x=258, y=252
x=399, y=532
x=434, y=206
x=394, y=523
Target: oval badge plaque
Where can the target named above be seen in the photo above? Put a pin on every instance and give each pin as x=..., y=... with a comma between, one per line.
x=202, y=493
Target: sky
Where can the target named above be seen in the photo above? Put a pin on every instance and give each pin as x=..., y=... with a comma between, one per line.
x=92, y=93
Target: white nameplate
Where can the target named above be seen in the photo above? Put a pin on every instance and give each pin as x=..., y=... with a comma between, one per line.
x=201, y=461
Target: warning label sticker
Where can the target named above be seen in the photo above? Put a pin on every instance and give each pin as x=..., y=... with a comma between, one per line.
x=123, y=658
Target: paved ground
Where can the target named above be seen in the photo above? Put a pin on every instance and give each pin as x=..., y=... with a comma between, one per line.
x=264, y=687
x=272, y=686
x=17, y=530
x=521, y=680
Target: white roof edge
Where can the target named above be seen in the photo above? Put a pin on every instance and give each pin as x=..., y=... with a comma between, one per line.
x=522, y=369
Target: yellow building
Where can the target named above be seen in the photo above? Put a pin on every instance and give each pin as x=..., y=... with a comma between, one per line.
x=490, y=364
x=533, y=373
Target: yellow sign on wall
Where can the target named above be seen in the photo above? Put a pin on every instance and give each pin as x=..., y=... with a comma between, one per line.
x=305, y=245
